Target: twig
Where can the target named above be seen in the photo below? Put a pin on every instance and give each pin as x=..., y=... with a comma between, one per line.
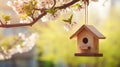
x=33, y=15
x=1, y=22
x=54, y=3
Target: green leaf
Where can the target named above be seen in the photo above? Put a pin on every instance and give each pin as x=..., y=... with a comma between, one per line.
x=24, y=16
x=6, y=17
x=69, y=20
x=76, y=5
x=51, y=11
x=28, y=9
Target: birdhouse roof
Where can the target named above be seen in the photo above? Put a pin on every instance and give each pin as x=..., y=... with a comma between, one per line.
x=91, y=29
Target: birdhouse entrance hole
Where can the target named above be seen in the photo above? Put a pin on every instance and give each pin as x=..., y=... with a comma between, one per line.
x=85, y=40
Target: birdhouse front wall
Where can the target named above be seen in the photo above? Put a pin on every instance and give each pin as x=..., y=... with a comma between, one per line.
x=85, y=42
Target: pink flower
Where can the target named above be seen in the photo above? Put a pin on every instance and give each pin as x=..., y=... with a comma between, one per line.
x=16, y=6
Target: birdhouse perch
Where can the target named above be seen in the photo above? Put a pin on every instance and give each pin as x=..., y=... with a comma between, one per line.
x=88, y=41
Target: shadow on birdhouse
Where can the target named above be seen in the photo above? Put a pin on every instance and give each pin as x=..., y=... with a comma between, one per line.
x=88, y=41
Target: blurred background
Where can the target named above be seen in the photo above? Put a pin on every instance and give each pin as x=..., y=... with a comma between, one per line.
x=53, y=48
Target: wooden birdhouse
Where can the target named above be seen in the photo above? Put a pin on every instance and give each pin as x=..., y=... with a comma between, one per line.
x=88, y=41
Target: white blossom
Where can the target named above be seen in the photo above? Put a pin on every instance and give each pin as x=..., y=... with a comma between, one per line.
x=67, y=27
x=44, y=19
x=22, y=36
x=27, y=20
x=9, y=3
x=18, y=47
x=27, y=45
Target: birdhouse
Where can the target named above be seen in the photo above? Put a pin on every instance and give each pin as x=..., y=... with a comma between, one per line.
x=88, y=41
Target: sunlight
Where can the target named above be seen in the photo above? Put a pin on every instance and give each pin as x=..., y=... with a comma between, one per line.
x=102, y=8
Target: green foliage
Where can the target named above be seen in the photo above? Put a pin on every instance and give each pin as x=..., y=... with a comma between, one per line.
x=29, y=7
x=55, y=44
x=24, y=16
x=52, y=11
x=76, y=5
x=6, y=17
x=111, y=44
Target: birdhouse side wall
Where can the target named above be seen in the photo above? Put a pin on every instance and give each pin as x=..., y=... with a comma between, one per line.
x=95, y=45
x=87, y=46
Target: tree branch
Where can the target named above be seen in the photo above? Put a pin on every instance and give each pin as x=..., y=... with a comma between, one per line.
x=67, y=5
x=23, y=24
x=40, y=16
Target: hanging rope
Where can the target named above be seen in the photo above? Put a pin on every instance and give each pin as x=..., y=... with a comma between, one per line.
x=86, y=13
